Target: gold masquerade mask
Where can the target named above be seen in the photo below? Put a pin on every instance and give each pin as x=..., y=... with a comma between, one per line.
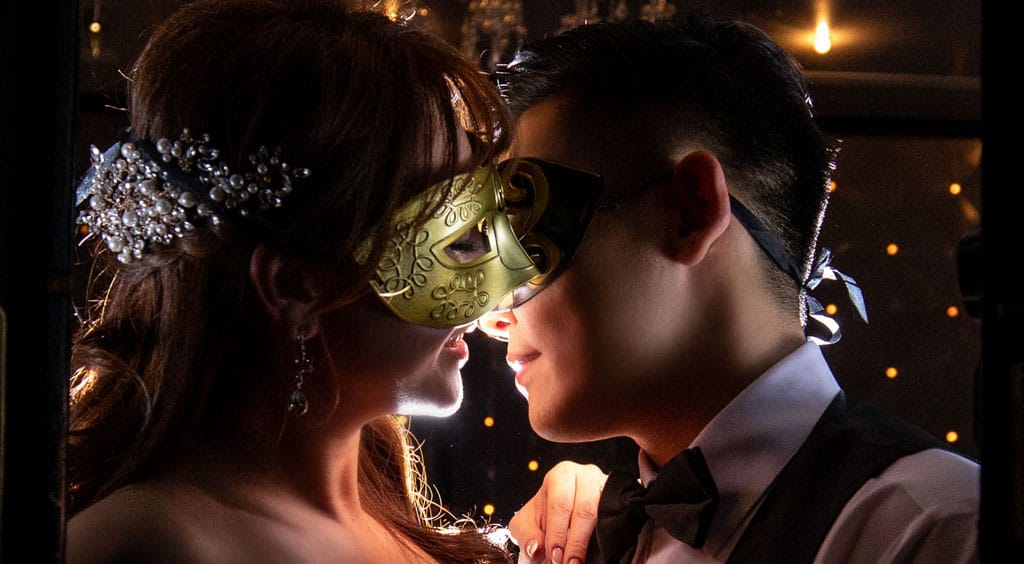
x=459, y=264
x=501, y=237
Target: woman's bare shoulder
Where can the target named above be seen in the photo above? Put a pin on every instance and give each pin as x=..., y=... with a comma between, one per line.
x=175, y=522
x=137, y=523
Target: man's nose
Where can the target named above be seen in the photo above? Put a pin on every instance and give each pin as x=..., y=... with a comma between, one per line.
x=497, y=324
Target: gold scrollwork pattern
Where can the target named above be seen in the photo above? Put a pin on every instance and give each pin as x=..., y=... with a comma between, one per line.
x=463, y=207
x=460, y=211
x=461, y=296
x=394, y=263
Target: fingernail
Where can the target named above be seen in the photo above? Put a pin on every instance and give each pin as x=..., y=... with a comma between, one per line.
x=531, y=548
x=556, y=555
x=575, y=560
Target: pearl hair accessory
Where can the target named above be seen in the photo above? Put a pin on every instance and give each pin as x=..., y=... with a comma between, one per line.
x=143, y=193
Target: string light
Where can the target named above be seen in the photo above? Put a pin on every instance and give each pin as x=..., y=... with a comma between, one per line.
x=891, y=373
x=952, y=436
x=488, y=421
x=952, y=311
x=95, y=39
x=489, y=509
x=892, y=249
x=533, y=465
x=955, y=188
x=831, y=309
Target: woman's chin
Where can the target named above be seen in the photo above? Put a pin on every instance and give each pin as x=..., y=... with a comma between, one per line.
x=441, y=403
x=428, y=408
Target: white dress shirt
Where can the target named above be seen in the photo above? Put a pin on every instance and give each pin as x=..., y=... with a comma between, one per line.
x=923, y=508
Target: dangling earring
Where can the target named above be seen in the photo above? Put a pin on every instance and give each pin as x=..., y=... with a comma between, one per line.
x=297, y=404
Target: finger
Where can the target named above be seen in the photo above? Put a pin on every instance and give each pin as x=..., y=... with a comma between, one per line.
x=560, y=485
x=531, y=553
x=524, y=559
x=526, y=527
x=584, y=520
x=590, y=482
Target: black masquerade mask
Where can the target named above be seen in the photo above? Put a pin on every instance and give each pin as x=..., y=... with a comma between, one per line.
x=549, y=222
x=550, y=207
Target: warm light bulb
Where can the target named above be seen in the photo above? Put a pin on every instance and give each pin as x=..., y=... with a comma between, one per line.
x=831, y=309
x=822, y=38
x=533, y=465
x=952, y=311
x=955, y=188
x=952, y=436
x=891, y=373
x=831, y=186
x=95, y=27
x=402, y=419
x=892, y=249
x=488, y=421
x=488, y=509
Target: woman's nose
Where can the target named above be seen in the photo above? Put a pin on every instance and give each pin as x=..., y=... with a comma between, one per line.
x=497, y=324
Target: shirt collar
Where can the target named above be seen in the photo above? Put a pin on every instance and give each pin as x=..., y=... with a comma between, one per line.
x=754, y=436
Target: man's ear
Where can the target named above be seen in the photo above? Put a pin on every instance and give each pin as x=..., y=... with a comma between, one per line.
x=699, y=204
x=288, y=297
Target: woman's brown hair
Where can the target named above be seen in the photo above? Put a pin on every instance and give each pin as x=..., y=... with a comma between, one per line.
x=173, y=347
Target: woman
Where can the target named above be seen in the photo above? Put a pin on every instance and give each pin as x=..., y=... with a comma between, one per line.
x=261, y=299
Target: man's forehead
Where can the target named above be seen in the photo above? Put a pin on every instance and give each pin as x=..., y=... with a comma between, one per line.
x=620, y=155
x=547, y=132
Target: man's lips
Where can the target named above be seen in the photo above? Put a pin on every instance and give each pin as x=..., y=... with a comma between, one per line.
x=519, y=361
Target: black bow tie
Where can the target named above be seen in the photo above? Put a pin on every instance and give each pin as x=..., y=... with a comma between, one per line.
x=682, y=500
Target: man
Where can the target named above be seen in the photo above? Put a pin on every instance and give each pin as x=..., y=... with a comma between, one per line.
x=682, y=318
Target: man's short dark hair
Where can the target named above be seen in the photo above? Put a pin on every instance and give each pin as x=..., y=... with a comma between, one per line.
x=702, y=82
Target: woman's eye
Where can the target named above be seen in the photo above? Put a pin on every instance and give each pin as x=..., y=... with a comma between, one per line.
x=470, y=246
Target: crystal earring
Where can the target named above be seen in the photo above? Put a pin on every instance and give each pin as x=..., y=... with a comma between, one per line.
x=297, y=403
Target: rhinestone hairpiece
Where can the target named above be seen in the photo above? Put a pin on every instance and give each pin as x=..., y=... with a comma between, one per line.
x=143, y=193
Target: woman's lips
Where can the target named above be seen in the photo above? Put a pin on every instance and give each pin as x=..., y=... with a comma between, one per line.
x=458, y=345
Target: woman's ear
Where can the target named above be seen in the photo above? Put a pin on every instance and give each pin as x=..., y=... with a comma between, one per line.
x=289, y=298
x=699, y=205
